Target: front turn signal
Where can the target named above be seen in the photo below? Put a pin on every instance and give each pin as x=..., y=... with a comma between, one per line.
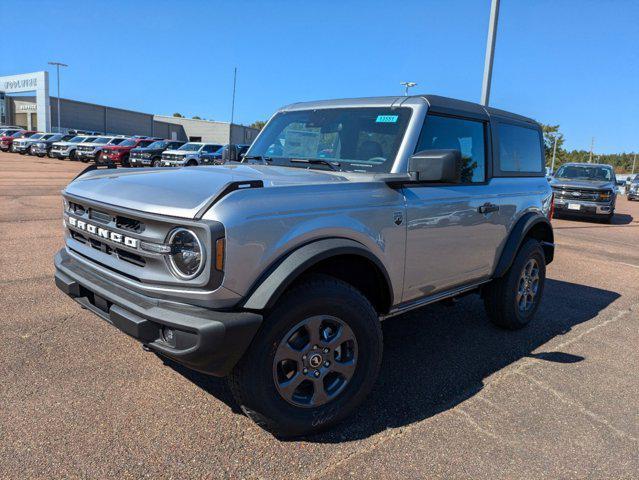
x=219, y=254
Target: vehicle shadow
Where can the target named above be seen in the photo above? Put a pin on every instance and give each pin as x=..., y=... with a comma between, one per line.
x=617, y=219
x=438, y=356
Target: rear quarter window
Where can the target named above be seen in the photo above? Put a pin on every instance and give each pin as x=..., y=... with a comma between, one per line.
x=520, y=150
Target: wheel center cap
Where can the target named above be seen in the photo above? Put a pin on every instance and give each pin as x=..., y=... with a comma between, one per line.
x=315, y=360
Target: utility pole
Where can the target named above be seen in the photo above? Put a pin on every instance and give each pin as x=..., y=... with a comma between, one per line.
x=57, y=66
x=407, y=85
x=592, y=145
x=554, y=153
x=634, y=161
x=233, y=102
x=490, y=52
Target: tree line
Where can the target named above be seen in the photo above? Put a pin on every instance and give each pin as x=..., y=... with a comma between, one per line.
x=622, y=162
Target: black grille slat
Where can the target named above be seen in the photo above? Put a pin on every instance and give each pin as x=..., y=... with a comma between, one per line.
x=129, y=224
x=99, y=216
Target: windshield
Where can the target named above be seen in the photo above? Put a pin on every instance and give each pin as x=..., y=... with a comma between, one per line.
x=585, y=172
x=89, y=139
x=37, y=136
x=158, y=144
x=76, y=139
x=128, y=143
x=192, y=147
x=117, y=141
x=102, y=140
x=47, y=137
x=358, y=139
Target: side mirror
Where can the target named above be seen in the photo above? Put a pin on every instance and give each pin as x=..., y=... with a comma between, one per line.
x=442, y=166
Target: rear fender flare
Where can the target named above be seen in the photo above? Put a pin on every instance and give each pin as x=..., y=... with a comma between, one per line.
x=516, y=237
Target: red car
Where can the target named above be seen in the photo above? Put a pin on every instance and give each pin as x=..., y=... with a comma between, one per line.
x=119, y=154
x=8, y=136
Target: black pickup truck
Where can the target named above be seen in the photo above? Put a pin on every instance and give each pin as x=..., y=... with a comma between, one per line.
x=151, y=155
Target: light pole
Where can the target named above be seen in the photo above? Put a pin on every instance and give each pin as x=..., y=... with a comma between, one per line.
x=634, y=161
x=57, y=66
x=490, y=52
x=407, y=85
x=233, y=101
x=554, y=153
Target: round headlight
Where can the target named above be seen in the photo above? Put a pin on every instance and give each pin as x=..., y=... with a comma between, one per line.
x=187, y=254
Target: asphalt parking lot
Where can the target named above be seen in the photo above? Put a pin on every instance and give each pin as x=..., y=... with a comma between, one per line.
x=457, y=398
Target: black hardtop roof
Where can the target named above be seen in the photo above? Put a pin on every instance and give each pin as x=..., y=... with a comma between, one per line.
x=447, y=103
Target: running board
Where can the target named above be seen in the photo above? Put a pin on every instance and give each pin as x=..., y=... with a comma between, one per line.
x=421, y=302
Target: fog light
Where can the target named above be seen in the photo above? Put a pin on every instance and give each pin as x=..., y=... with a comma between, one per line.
x=168, y=334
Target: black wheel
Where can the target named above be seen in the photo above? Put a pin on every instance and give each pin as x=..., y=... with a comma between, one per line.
x=125, y=161
x=84, y=160
x=72, y=156
x=512, y=300
x=191, y=163
x=314, y=360
x=156, y=163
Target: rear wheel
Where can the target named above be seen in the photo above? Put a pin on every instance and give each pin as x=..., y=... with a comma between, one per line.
x=512, y=300
x=157, y=163
x=314, y=360
x=72, y=156
x=125, y=161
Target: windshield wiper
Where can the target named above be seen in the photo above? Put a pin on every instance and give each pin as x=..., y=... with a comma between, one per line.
x=258, y=157
x=316, y=161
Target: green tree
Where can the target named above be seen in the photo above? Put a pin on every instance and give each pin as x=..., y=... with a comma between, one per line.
x=178, y=115
x=195, y=117
x=259, y=124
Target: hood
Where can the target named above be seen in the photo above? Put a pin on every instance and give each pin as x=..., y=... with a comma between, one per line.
x=585, y=184
x=184, y=192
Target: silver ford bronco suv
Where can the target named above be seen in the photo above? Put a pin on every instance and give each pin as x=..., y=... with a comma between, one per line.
x=277, y=271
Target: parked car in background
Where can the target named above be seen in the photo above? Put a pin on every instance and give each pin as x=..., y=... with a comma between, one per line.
x=119, y=154
x=189, y=154
x=586, y=190
x=632, y=190
x=66, y=149
x=43, y=146
x=6, y=140
x=151, y=155
x=90, y=151
x=22, y=145
x=228, y=153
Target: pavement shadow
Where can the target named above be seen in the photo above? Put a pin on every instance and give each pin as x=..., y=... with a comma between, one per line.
x=438, y=356
x=617, y=219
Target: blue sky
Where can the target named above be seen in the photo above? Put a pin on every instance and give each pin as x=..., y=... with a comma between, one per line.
x=572, y=62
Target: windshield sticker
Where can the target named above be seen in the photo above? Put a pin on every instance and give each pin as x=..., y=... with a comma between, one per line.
x=387, y=118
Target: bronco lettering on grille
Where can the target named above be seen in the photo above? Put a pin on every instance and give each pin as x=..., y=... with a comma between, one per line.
x=103, y=233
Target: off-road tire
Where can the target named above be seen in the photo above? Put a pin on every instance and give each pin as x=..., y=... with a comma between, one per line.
x=252, y=382
x=500, y=296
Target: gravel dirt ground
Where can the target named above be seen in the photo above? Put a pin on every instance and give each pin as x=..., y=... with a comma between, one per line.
x=457, y=397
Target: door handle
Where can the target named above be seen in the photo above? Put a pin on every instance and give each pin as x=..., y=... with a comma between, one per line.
x=488, y=207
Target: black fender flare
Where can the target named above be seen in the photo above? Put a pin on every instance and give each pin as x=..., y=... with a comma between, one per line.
x=276, y=280
x=516, y=237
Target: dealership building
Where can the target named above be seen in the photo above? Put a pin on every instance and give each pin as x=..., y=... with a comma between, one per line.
x=25, y=102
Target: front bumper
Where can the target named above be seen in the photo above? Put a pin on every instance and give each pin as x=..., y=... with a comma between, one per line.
x=59, y=153
x=173, y=163
x=209, y=341
x=632, y=194
x=588, y=209
x=81, y=154
x=137, y=162
x=38, y=150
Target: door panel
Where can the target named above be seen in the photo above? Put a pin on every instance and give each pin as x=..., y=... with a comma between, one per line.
x=449, y=242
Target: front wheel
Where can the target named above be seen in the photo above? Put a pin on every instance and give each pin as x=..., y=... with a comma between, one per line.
x=314, y=360
x=157, y=163
x=512, y=300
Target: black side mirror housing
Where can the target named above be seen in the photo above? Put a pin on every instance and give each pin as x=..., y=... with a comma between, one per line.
x=437, y=166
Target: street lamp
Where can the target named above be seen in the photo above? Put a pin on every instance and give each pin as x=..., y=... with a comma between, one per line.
x=57, y=66
x=407, y=85
x=490, y=52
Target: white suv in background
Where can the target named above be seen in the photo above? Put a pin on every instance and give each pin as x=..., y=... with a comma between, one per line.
x=91, y=150
x=189, y=154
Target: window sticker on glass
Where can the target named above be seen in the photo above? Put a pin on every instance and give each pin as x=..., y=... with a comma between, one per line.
x=301, y=144
x=387, y=118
